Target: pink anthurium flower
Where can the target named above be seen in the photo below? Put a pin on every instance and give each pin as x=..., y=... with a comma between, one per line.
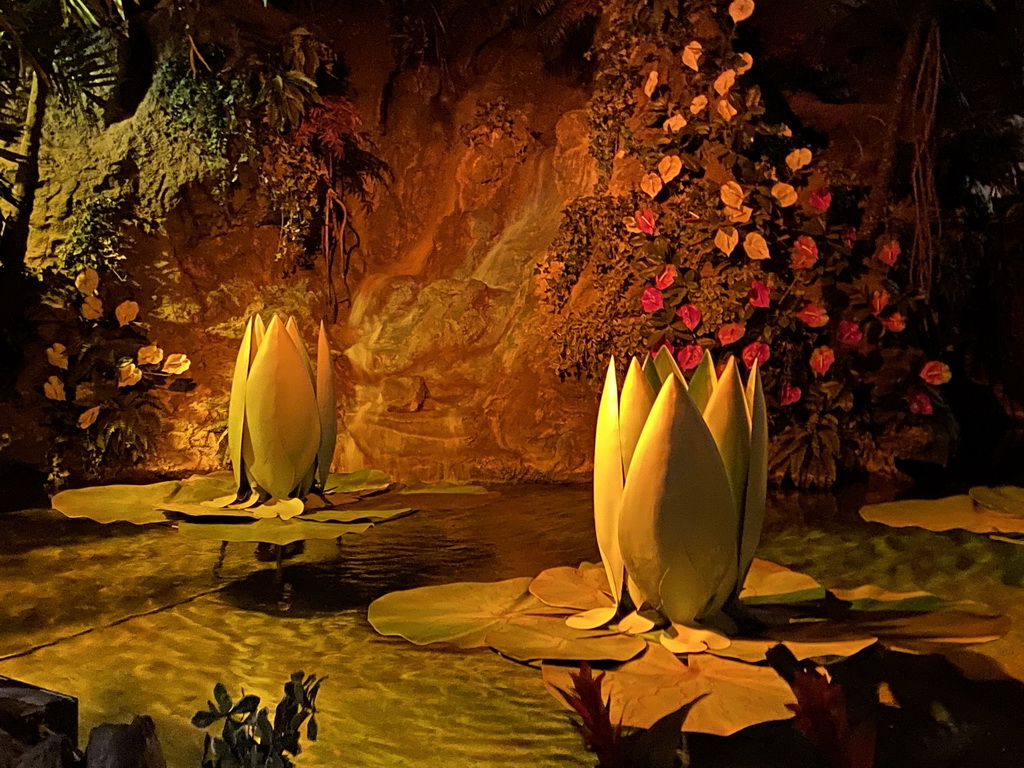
x=756, y=352
x=788, y=394
x=652, y=300
x=759, y=295
x=690, y=315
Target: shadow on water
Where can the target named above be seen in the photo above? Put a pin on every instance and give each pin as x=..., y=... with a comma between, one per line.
x=944, y=718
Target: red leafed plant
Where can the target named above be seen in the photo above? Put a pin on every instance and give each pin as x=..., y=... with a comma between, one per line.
x=820, y=714
x=599, y=733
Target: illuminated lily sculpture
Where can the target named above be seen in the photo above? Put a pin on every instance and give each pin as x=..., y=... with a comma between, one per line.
x=281, y=421
x=680, y=474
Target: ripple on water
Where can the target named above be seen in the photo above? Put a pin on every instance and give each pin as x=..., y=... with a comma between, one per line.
x=386, y=703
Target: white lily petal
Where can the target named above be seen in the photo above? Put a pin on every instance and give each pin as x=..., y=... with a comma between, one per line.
x=680, y=638
x=635, y=624
x=608, y=480
x=236, y=408
x=650, y=371
x=592, y=619
x=678, y=525
x=637, y=400
x=326, y=399
x=666, y=366
x=703, y=382
x=259, y=330
x=281, y=412
x=727, y=419
x=757, y=476
x=293, y=330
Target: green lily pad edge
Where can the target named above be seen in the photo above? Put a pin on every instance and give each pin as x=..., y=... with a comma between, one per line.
x=183, y=502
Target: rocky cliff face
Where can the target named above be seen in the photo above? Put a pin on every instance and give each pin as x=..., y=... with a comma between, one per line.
x=443, y=359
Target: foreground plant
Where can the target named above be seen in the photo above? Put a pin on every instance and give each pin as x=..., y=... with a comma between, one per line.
x=248, y=738
x=680, y=473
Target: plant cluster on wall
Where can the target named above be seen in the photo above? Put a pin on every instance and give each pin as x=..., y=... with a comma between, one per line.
x=103, y=369
x=279, y=116
x=719, y=228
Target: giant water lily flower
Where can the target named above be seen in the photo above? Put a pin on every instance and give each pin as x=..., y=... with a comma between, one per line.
x=281, y=422
x=680, y=474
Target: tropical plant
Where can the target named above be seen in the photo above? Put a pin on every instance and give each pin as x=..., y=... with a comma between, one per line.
x=281, y=421
x=104, y=370
x=248, y=738
x=63, y=48
x=660, y=746
x=735, y=237
x=680, y=474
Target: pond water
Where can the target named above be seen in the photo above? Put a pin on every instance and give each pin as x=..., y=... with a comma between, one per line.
x=140, y=620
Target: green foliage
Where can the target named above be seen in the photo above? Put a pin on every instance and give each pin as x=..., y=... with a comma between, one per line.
x=199, y=105
x=719, y=229
x=104, y=375
x=95, y=238
x=248, y=738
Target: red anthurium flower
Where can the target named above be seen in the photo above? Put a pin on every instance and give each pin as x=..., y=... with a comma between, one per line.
x=730, y=333
x=879, y=301
x=689, y=357
x=690, y=315
x=888, y=251
x=821, y=199
x=849, y=236
x=822, y=359
x=788, y=394
x=919, y=402
x=651, y=299
x=646, y=221
x=812, y=315
x=756, y=352
x=894, y=322
x=759, y=295
x=850, y=333
x=666, y=278
x=805, y=253
x=935, y=373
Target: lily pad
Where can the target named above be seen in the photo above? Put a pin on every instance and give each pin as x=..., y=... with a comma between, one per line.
x=754, y=650
x=944, y=515
x=948, y=627
x=872, y=598
x=502, y=615
x=269, y=531
x=576, y=588
x=357, y=515
x=142, y=504
x=642, y=691
x=361, y=481
x=443, y=487
x=1003, y=498
x=136, y=504
x=770, y=583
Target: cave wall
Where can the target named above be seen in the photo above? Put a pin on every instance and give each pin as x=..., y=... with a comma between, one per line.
x=442, y=354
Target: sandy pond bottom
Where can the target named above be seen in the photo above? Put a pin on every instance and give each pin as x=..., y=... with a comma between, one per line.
x=136, y=620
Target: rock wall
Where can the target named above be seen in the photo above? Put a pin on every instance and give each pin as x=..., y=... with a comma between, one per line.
x=443, y=360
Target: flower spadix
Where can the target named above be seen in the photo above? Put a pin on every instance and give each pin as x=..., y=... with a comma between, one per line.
x=680, y=473
x=281, y=422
